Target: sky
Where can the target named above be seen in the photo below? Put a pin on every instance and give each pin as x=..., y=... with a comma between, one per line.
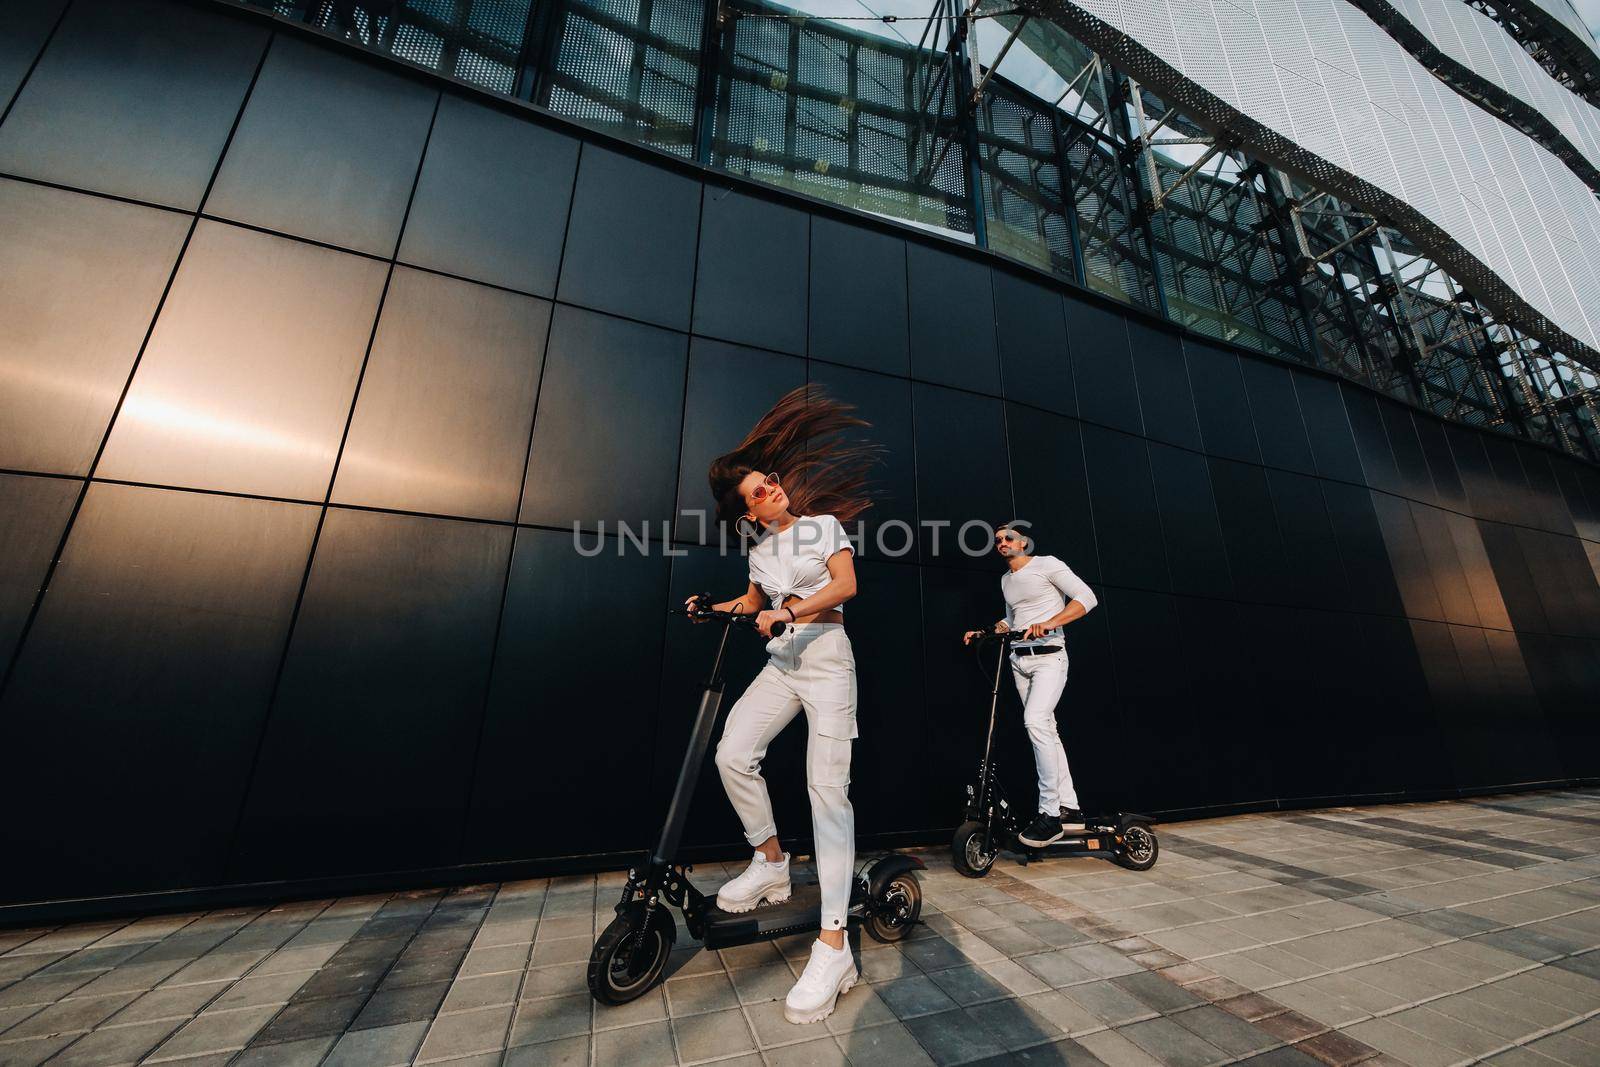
x=1589, y=10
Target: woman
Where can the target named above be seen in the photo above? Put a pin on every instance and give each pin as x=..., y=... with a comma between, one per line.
x=798, y=481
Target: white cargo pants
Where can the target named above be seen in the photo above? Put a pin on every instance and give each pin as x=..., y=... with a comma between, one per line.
x=1040, y=682
x=813, y=668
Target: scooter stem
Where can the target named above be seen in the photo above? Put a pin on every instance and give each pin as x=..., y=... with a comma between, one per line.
x=988, y=739
x=705, y=721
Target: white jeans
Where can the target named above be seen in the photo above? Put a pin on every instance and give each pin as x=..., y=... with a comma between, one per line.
x=813, y=668
x=1040, y=681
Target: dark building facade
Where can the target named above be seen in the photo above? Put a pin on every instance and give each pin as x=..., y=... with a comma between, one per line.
x=311, y=365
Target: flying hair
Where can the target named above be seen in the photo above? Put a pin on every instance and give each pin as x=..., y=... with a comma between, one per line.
x=803, y=438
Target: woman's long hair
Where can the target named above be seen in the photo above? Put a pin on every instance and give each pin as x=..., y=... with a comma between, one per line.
x=802, y=438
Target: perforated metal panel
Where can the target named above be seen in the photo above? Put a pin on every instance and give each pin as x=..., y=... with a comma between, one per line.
x=1478, y=57
x=477, y=41
x=626, y=66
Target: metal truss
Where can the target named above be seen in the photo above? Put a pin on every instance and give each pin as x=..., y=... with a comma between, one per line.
x=1390, y=316
x=1100, y=193
x=1550, y=44
x=1246, y=254
x=1223, y=264
x=937, y=114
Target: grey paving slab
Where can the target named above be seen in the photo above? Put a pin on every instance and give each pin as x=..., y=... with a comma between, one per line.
x=1159, y=992
x=970, y=984
x=914, y=996
x=700, y=993
x=713, y=1035
x=215, y=1032
x=955, y=1037
x=562, y=1052
x=545, y=1020
x=864, y=1007
x=307, y=1052
x=1172, y=1044
x=1564, y=1048
x=1058, y=967
x=646, y=1043
x=465, y=1033
x=116, y=1044
x=1108, y=1002
x=774, y=980
x=382, y=1046
x=74, y=1015
x=884, y=1046
x=33, y=1050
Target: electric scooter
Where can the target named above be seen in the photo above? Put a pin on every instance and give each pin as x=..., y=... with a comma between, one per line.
x=630, y=954
x=991, y=824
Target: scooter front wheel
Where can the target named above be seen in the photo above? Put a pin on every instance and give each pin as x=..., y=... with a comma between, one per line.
x=966, y=851
x=628, y=959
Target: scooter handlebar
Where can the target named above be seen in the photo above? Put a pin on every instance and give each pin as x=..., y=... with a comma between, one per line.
x=1005, y=637
x=736, y=618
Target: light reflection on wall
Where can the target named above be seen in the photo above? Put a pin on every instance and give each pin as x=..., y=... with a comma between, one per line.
x=247, y=380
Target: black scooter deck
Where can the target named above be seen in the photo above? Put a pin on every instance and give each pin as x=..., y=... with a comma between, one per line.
x=796, y=915
x=1097, y=837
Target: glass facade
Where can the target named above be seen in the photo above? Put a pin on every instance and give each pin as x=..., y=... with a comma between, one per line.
x=1062, y=161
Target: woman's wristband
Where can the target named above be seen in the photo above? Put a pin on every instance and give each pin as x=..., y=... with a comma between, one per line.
x=792, y=617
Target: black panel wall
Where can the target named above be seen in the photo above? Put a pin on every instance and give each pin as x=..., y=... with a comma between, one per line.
x=353, y=443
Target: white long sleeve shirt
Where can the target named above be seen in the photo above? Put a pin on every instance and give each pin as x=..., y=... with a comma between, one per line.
x=1039, y=590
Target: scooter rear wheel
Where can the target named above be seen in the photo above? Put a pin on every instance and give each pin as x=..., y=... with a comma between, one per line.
x=896, y=911
x=628, y=960
x=1138, y=849
x=966, y=851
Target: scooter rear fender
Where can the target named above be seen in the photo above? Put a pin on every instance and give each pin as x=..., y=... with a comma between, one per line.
x=888, y=869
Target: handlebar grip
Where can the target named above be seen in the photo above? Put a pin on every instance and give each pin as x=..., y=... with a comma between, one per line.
x=739, y=619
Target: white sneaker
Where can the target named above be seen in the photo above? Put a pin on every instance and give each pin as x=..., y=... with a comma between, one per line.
x=761, y=882
x=829, y=973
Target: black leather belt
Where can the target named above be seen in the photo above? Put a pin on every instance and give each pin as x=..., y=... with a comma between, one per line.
x=1035, y=650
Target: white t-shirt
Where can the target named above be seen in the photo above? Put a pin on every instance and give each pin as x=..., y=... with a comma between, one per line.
x=794, y=562
x=1039, y=591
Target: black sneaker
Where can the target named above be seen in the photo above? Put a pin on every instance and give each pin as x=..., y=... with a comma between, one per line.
x=1072, y=819
x=1043, y=830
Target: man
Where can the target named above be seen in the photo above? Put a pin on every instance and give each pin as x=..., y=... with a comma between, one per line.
x=1042, y=595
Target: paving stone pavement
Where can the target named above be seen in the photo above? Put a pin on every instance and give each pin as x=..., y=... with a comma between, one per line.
x=1425, y=934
